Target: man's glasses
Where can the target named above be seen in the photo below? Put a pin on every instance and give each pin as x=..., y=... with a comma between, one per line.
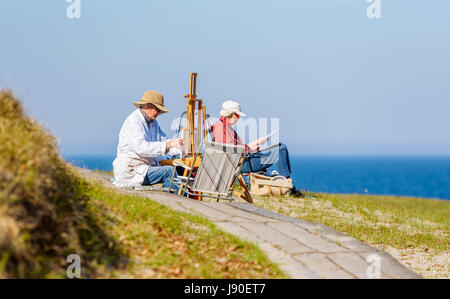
x=154, y=107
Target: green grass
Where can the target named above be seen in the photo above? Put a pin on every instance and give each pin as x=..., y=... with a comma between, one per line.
x=395, y=221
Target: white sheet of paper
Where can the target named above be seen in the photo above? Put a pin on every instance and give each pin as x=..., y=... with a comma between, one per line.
x=271, y=134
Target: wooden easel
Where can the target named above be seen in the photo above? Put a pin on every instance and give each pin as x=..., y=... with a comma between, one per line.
x=196, y=135
x=193, y=135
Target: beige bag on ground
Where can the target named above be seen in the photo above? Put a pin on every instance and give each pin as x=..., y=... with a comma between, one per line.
x=261, y=185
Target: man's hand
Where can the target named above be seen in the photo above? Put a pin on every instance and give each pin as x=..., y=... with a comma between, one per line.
x=177, y=143
x=255, y=144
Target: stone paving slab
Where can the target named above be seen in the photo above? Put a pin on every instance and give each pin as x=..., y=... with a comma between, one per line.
x=324, y=267
x=304, y=237
x=285, y=262
x=351, y=262
x=232, y=211
x=301, y=249
x=388, y=265
x=287, y=244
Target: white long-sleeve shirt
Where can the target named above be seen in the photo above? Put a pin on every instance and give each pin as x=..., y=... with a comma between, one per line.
x=139, y=144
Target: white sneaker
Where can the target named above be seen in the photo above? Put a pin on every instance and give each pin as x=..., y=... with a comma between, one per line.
x=274, y=173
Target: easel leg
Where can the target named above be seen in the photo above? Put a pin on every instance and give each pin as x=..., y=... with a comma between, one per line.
x=185, y=173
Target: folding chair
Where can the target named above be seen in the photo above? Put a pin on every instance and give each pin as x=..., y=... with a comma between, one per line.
x=217, y=173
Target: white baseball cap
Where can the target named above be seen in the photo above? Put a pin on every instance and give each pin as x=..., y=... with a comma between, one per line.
x=230, y=107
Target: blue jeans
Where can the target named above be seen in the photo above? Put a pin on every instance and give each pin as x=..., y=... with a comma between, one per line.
x=159, y=174
x=276, y=158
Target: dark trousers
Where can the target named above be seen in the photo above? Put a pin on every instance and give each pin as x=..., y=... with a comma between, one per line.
x=276, y=158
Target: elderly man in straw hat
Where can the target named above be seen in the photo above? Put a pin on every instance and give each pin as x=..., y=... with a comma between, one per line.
x=141, y=141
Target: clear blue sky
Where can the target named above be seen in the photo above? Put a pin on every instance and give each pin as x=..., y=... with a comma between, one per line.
x=339, y=82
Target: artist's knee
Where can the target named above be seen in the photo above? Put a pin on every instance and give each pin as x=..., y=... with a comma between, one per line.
x=167, y=171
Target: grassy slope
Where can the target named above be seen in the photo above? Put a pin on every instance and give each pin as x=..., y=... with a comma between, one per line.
x=48, y=212
x=414, y=230
x=43, y=212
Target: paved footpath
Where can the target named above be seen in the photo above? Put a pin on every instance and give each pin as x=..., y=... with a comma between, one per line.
x=301, y=249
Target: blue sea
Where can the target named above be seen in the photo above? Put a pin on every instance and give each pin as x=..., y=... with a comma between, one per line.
x=409, y=176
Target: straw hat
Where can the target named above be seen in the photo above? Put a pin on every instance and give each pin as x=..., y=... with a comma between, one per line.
x=154, y=98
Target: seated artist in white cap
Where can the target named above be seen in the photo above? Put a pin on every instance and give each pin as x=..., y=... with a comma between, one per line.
x=274, y=161
x=141, y=141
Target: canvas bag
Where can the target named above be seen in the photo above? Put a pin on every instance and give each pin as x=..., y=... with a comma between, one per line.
x=261, y=185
